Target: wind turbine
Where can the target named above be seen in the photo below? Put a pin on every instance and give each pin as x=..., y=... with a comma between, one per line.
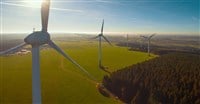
x=142, y=43
x=33, y=29
x=100, y=48
x=148, y=39
x=127, y=39
x=37, y=39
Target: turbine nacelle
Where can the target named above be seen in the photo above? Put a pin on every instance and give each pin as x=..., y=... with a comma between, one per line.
x=37, y=38
x=100, y=35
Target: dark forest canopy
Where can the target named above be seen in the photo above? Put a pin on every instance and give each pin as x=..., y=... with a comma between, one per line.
x=169, y=79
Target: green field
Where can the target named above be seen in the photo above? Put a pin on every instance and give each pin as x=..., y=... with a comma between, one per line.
x=62, y=82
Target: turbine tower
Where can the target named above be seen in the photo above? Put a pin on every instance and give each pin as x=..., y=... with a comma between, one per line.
x=149, y=40
x=100, y=48
x=37, y=39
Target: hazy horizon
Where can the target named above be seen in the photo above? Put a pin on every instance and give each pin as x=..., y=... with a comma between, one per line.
x=106, y=33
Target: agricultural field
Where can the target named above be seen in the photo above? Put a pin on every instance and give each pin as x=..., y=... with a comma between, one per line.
x=61, y=81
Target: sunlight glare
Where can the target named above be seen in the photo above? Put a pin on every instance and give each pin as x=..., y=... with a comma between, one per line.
x=34, y=3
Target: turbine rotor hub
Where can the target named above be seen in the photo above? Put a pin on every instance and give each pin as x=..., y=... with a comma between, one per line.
x=37, y=38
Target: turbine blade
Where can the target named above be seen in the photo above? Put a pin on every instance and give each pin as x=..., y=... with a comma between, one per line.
x=152, y=35
x=102, y=27
x=13, y=49
x=107, y=40
x=143, y=36
x=95, y=37
x=45, y=14
x=54, y=46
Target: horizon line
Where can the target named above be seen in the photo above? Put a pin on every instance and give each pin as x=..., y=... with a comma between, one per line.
x=111, y=33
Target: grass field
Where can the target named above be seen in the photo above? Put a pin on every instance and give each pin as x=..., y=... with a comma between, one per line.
x=62, y=82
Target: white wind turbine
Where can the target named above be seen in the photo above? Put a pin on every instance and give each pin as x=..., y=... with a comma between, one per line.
x=100, y=48
x=37, y=39
x=149, y=40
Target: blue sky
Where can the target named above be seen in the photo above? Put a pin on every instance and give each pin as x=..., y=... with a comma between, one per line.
x=121, y=16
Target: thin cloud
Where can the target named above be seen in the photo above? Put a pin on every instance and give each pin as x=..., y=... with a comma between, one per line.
x=104, y=1
x=59, y=9
x=195, y=19
x=133, y=20
x=67, y=1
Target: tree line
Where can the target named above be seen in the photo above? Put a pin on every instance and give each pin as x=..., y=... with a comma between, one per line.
x=169, y=79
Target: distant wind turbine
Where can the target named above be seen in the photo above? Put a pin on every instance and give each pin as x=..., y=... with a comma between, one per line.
x=142, y=42
x=148, y=39
x=100, y=48
x=33, y=29
x=37, y=39
x=127, y=39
